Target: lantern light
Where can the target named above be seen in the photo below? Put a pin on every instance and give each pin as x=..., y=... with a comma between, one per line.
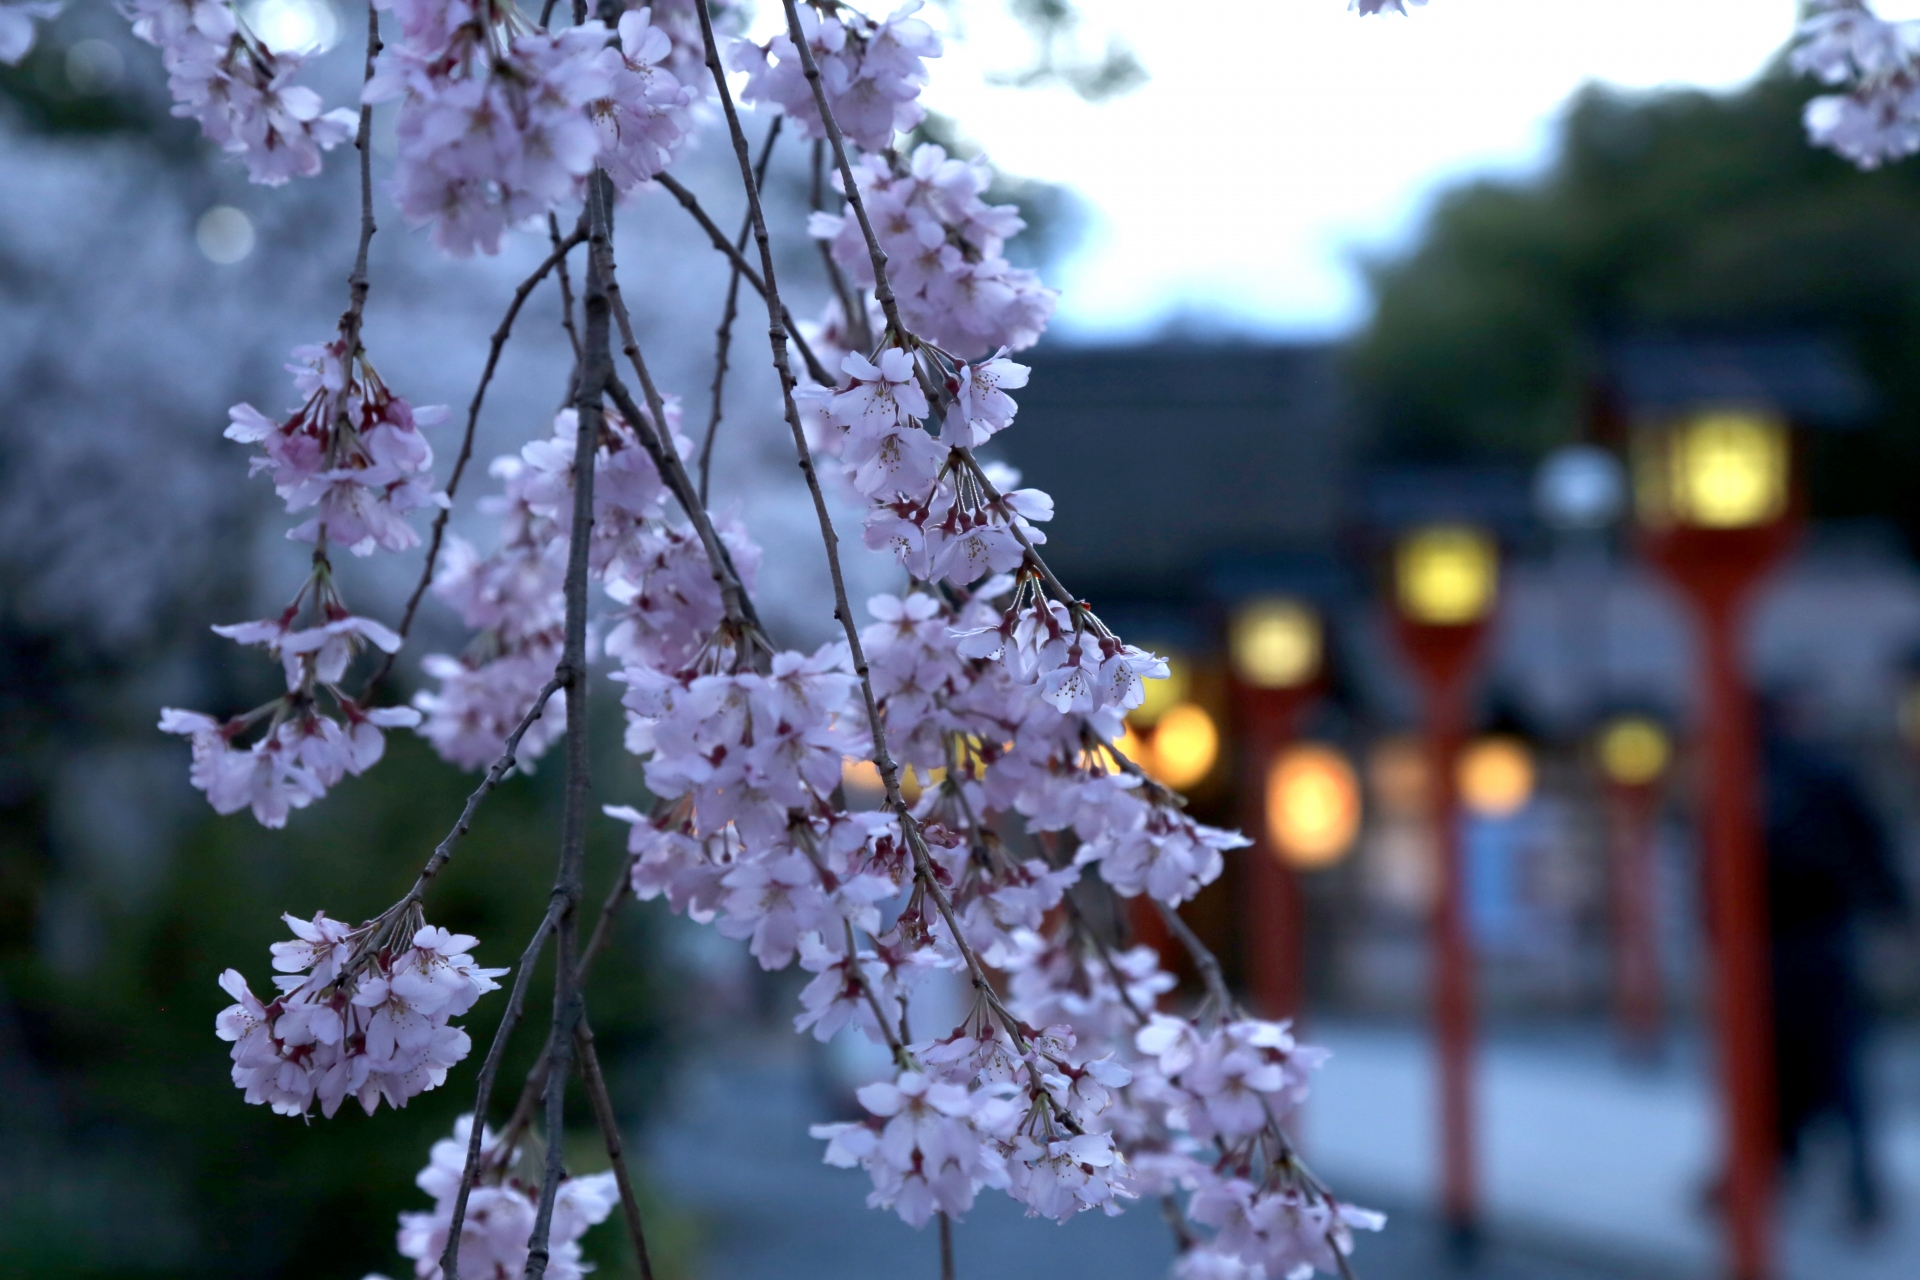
x=1496, y=776
x=1580, y=487
x=1721, y=469
x=1634, y=751
x=1275, y=643
x=1446, y=575
x=1160, y=696
x=1185, y=746
x=1397, y=773
x=1313, y=806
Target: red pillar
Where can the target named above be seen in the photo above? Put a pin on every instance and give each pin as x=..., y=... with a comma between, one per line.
x=1445, y=657
x=1639, y=1009
x=1273, y=922
x=1718, y=570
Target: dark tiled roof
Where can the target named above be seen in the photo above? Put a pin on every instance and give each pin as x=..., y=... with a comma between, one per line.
x=1161, y=459
x=1812, y=380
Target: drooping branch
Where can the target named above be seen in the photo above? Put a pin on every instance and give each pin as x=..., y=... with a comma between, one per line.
x=691, y=203
x=596, y=370
x=596, y=1086
x=723, y=336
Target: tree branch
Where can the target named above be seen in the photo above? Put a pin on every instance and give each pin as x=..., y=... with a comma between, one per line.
x=691, y=203
x=596, y=369
x=723, y=336
x=596, y=1087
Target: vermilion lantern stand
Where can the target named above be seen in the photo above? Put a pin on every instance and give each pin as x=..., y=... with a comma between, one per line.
x=1445, y=581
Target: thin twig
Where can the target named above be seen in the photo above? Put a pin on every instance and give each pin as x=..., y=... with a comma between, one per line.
x=530, y=1089
x=494, y=775
x=566, y=287
x=483, y=1088
x=1203, y=959
x=357, y=283
x=596, y=368
x=596, y=1087
x=434, y=539
x=723, y=336
x=855, y=313
x=882, y=289
x=946, y=1246
x=691, y=203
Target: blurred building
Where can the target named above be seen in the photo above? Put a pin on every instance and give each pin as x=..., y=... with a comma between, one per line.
x=1191, y=478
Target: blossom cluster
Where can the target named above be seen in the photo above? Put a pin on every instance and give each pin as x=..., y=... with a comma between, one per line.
x=872, y=72
x=945, y=251
x=360, y=1016
x=17, y=32
x=500, y=121
x=984, y=695
x=1843, y=44
x=513, y=596
x=498, y=1227
x=242, y=93
x=352, y=455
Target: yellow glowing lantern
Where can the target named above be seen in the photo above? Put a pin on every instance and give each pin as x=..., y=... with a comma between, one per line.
x=1185, y=745
x=1160, y=696
x=1275, y=643
x=1633, y=750
x=1446, y=574
x=1721, y=469
x=1313, y=805
x=1496, y=776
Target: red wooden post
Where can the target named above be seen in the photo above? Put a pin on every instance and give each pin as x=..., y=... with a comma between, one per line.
x=1717, y=570
x=1639, y=1008
x=1273, y=920
x=1444, y=656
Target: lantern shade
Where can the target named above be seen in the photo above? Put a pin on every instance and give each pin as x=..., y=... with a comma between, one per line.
x=1184, y=746
x=1496, y=776
x=1313, y=805
x=1275, y=643
x=1446, y=575
x=1633, y=750
x=1716, y=469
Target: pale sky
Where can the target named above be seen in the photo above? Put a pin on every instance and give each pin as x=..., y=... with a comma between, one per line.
x=1277, y=137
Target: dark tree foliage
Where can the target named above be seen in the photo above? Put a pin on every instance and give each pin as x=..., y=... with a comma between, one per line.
x=1666, y=212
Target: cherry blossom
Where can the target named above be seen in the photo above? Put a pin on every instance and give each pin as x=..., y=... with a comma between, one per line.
x=241, y=92
x=17, y=31
x=872, y=72
x=945, y=246
x=370, y=1022
x=498, y=1227
x=1842, y=43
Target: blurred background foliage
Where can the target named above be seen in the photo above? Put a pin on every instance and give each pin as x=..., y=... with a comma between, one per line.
x=1661, y=213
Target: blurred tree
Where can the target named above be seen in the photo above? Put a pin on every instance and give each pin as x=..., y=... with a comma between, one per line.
x=1665, y=211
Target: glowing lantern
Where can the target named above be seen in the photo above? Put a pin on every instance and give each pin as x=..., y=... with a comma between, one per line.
x=1446, y=575
x=1719, y=469
x=1496, y=777
x=1633, y=751
x=1313, y=806
x=1275, y=643
x=1185, y=745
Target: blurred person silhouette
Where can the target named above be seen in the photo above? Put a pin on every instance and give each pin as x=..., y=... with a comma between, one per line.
x=1829, y=870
